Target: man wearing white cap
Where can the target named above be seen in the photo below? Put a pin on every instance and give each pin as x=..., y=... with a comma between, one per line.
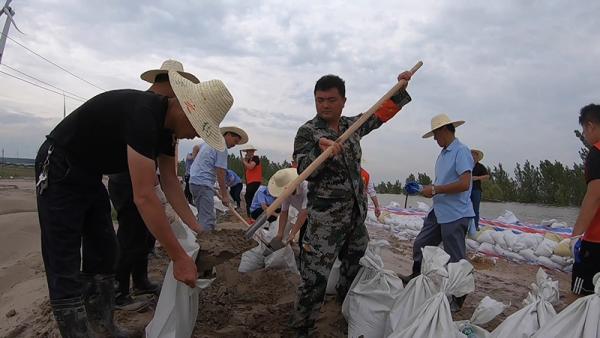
x=298, y=199
x=110, y=133
x=452, y=210
x=253, y=173
x=135, y=240
x=210, y=166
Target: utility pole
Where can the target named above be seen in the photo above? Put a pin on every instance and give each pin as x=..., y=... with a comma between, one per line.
x=8, y=11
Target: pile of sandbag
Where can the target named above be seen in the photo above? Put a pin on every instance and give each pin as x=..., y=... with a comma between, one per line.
x=371, y=294
x=537, y=312
x=261, y=257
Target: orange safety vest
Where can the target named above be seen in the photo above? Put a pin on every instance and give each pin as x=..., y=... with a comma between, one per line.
x=365, y=177
x=254, y=175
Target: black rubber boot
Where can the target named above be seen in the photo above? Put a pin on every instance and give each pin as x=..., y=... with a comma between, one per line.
x=141, y=284
x=99, y=300
x=71, y=318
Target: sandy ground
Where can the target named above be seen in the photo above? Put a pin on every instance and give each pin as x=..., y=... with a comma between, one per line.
x=254, y=304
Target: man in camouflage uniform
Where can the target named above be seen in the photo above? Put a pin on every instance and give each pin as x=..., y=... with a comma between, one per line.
x=337, y=204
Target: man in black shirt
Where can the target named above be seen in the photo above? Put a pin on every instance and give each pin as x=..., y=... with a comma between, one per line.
x=110, y=133
x=480, y=173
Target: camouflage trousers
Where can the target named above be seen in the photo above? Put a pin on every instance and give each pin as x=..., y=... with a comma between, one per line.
x=336, y=228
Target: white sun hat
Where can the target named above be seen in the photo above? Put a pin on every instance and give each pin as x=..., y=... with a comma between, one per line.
x=280, y=180
x=440, y=121
x=205, y=104
x=479, y=154
x=150, y=75
x=237, y=131
x=248, y=147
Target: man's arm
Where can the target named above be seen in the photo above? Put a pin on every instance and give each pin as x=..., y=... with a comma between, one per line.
x=463, y=184
x=589, y=207
x=481, y=178
x=143, y=174
x=283, y=218
x=222, y=186
x=172, y=188
x=306, y=150
x=249, y=164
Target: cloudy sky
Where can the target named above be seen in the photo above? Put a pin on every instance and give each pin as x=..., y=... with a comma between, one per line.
x=517, y=71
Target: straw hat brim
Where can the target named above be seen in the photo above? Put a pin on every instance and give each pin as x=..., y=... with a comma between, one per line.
x=454, y=123
x=479, y=154
x=290, y=174
x=237, y=131
x=150, y=75
x=249, y=147
x=205, y=105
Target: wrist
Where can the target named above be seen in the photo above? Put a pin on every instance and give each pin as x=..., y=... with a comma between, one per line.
x=433, y=192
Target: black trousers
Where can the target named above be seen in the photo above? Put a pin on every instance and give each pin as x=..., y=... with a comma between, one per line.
x=587, y=264
x=186, y=190
x=250, y=191
x=75, y=222
x=256, y=213
x=135, y=240
x=235, y=193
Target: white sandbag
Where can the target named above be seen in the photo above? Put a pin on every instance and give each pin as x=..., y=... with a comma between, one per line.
x=548, y=222
x=557, y=225
x=527, y=241
x=507, y=254
x=371, y=295
x=177, y=307
x=538, y=311
x=487, y=248
x=508, y=217
x=487, y=310
x=579, y=319
x=334, y=276
x=560, y=260
x=509, y=239
x=219, y=205
x=498, y=237
x=545, y=248
x=433, y=318
x=419, y=289
x=548, y=263
x=412, y=233
x=529, y=255
x=423, y=206
x=564, y=248
x=252, y=259
x=472, y=244
x=485, y=236
x=282, y=259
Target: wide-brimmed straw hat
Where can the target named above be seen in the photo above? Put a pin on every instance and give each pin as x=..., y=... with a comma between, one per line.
x=479, y=154
x=205, y=104
x=248, y=147
x=150, y=75
x=235, y=130
x=440, y=121
x=280, y=180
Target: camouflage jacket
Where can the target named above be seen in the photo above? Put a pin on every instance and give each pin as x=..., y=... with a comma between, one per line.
x=338, y=177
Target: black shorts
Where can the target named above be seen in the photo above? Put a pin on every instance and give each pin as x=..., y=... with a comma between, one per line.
x=585, y=269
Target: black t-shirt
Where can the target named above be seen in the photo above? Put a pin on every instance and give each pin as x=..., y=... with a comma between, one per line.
x=592, y=165
x=255, y=159
x=97, y=133
x=478, y=170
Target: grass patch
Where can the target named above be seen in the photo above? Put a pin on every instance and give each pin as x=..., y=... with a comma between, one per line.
x=12, y=170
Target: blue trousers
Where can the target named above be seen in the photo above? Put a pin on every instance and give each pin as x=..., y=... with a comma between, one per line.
x=476, y=200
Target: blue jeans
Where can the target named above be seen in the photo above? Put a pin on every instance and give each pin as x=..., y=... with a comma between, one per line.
x=476, y=200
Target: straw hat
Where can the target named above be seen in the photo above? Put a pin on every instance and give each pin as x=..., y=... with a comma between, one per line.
x=479, y=154
x=168, y=65
x=205, y=104
x=248, y=147
x=280, y=180
x=237, y=131
x=440, y=121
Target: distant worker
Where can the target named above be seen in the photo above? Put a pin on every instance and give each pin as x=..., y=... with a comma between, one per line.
x=189, y=159
x=261, y=201
x=234, y=182
x=480, y=174
x=298, y=199
x=253, y=171
x=370, y=190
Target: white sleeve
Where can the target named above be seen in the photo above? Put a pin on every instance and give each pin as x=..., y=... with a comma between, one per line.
x=371, y=190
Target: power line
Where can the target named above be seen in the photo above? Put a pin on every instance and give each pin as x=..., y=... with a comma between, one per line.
x=46, y=83
x=37, y=85
x=62, y=68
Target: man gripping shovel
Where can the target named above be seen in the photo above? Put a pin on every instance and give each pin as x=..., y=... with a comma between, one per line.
x=336, y=200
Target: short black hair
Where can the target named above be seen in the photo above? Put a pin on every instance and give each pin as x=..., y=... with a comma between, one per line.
x=589, y=113
x=164, y=77
x=232, y=133
x=331, y=81
x=451, y=127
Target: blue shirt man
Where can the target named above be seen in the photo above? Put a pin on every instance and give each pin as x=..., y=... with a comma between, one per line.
x=203, y=169
x=452, y=208
x=231, y=178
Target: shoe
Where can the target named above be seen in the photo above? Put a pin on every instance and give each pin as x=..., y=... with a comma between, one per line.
x=71, y=318
x=125, y=302
x=99, y=301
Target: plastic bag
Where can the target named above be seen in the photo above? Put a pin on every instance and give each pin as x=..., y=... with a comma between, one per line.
x=508, y=217
x=487, y=310
x=282, y=259
x=371, y=295
x=252, y=259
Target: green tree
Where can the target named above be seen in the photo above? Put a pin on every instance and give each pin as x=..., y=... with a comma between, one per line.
x=423, y=178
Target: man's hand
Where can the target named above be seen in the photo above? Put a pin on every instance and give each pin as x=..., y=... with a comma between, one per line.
x=377, y=212
x=184, y=270
x=225, y=200
x=427, y=191
x=325, y=143
x=405, y=75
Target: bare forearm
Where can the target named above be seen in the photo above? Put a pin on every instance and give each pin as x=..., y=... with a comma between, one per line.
x=589, y=207
x=302, y=216
x=375, y=202
x=283, y=218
